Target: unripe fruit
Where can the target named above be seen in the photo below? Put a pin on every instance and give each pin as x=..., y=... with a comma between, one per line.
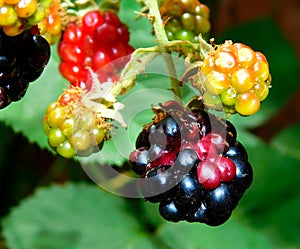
x=237, y=76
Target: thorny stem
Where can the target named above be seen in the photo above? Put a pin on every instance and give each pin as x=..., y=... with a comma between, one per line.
x=162, y=41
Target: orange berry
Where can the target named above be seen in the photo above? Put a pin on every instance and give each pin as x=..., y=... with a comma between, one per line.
x=11, y=1
x=216, y=82
x=53, y=24
x=225, y=62
x=261, y=70
x=26, y=8
x=245, y=55
x=242, y=80
x=247, y=104
x=208, y=65
x=12, y=30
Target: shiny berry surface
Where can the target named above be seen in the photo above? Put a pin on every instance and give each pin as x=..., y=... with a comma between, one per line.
x=191, y=162
x=237, y=77
x=100, y=42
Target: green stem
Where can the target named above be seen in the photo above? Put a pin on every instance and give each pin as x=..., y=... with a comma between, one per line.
x=162, y=41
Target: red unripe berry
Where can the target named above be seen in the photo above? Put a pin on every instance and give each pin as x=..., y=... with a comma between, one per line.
x=91, y=20
x=71, y=53
x=208, y=174
x=111, y=18
x=105, y=35
x=101, y=59
x=226, y=168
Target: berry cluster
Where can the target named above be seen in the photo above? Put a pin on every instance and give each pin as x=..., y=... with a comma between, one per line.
x=72, y=128
x=22, y=60
x=17, y=16
x=50, y=27
x=238, y=76
x=185, y=19
x=100, y=42
x=191, y=162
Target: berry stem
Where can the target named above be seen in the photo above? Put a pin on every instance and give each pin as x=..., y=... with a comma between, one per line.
x=162, y=41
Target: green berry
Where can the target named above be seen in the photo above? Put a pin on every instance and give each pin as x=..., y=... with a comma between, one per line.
x=56, y=116
x=55, y=137
x=97, y=136
x=66, y=150
x=81, y=140
x=228, y=97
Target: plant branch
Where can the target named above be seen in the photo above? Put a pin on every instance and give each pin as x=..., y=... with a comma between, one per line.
x=162, y=41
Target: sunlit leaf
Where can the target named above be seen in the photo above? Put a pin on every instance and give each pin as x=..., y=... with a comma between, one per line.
x=231, y=235
x=76, y=216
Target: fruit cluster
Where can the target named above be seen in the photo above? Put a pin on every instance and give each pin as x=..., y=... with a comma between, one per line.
x=238, y=76
x=50, y=27
x=22, y=60
x=100, y=42
x=72, y=128
x=17, y=16
x=191, y=162
x=185, y=19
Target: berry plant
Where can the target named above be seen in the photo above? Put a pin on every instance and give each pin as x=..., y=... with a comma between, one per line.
x=142, y=111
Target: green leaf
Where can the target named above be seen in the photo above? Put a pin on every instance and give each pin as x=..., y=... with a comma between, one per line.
x=286, y=141
x=233, y=235
x=275, y=175
x=264, y=35
x=26, y=115
x=282, y=223
x=140, y=28
x=77, y=216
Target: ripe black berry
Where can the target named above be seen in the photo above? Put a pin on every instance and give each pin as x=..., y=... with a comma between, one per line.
x=142, y=139
x=4, y=99
x=244, y=175
x=158, y=184
x=237, y=149
x=22, y=60
x=216, y=220
x=231, y=133
x=186, y=160
x=139, y=160
x=37, y=54
x=169, y=128
x=169, y=211
x=191, y=162
x=189, y=192
x=221, y=200
x=197, y=214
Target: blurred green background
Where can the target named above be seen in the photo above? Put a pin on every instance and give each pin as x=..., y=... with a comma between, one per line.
x=47, y=202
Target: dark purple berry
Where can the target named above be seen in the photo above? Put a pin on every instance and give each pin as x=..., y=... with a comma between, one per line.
x=189, y=192
x=216, y=220
x=231, y=133
x=159, y=184
x=139, y=160
x=142, y=140
x=203, y=120
x=198, y=214
x=16, y=89
x=170, y=128
x=169, y=211
x=32, y=76
x=36, y=55
x=221, y=200
x=244, y=175
x=4, y=99
x=236, y=150
x=186, y=160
